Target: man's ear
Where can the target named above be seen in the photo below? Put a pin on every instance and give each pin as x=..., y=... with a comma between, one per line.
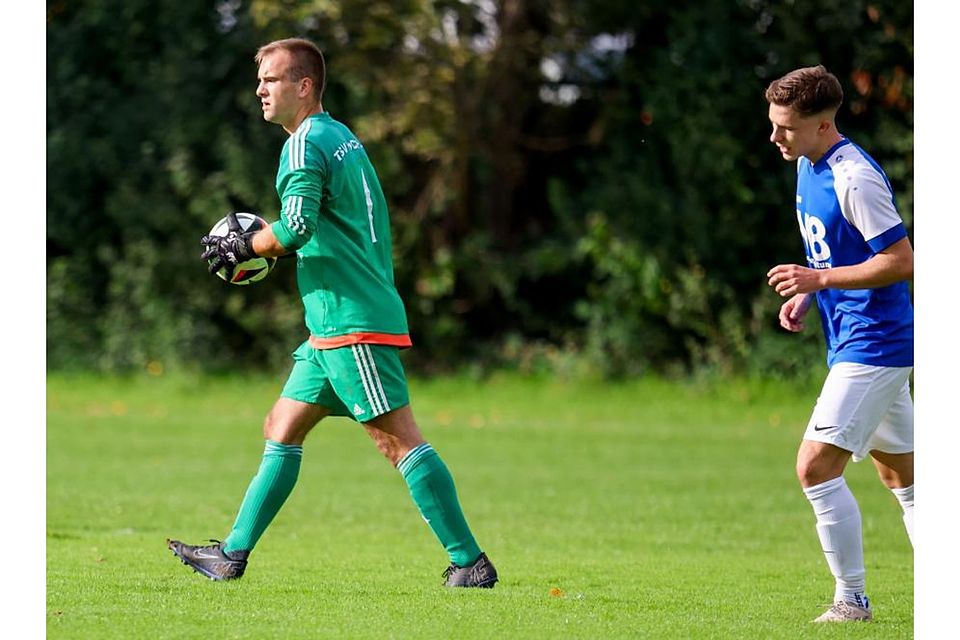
x=305, y=88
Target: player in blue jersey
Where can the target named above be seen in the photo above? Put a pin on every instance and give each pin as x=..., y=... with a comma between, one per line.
x=859, y=260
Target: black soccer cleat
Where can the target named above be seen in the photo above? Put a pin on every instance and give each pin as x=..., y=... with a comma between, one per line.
x=479, y=574
x=211, y=560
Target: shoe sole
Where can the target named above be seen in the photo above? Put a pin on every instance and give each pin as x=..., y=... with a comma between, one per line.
x=488, y=584
x=843, y=620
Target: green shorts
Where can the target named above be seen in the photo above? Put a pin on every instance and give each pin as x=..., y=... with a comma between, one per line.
x=361, y=381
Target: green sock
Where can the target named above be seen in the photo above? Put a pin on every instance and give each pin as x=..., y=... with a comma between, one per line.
x=266, y=494
x=431, y=487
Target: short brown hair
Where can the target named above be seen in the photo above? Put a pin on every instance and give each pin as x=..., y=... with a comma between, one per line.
x=807, y=91
x=307, y=61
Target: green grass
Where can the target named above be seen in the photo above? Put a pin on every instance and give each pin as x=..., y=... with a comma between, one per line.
x=647, y=509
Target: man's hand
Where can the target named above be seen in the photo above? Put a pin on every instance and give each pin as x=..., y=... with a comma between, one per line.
x=792, y=279
x=230, y=250
x=793, y=311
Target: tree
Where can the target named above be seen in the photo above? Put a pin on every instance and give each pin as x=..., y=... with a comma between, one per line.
x=592, y=176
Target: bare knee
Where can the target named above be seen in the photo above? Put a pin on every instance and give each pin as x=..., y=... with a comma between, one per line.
x=811, y=473
x=895, y=470
x=289, y=421
x=388, y=446
x=891, y=479
x=393, y=446
x=395, y=434
x=280, y=428
x=819, y=462
x=273, y=428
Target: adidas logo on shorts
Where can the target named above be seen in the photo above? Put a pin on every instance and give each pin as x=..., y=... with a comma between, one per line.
x=358, y=410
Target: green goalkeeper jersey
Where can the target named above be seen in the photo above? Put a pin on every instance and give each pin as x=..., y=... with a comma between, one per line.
x=334, y=214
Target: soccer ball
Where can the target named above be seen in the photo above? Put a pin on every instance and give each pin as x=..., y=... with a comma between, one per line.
x=250, y=271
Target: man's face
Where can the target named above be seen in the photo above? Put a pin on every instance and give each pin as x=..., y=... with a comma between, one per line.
x=796, y=135
x=280, y=97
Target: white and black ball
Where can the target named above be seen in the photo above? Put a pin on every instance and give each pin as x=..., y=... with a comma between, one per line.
x=249, y=271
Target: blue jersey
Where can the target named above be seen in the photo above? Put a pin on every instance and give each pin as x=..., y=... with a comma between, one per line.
x=847, y=214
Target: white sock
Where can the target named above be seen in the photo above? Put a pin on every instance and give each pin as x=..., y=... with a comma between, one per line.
x=905, y=497
x=839, y=528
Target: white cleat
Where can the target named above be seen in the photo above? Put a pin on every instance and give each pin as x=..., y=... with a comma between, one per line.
x=842, y=611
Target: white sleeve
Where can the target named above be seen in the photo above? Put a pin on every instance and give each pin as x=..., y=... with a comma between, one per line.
x=865, y=198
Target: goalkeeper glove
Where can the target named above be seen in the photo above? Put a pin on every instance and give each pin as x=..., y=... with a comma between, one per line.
x=230, y=250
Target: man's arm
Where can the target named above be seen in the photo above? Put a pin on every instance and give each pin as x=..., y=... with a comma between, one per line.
x=266, y=244
x=893, y=264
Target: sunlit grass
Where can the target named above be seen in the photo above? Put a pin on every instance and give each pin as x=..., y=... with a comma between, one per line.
x=647, y=509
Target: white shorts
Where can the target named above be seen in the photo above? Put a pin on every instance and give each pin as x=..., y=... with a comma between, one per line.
x=862, y=408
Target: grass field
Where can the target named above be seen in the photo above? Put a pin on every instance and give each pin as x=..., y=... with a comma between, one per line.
x=647, y=509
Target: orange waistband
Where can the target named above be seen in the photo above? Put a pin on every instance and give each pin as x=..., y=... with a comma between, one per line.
x=390, y=339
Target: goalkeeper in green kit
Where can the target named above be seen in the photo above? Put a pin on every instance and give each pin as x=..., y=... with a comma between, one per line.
x=334, y=216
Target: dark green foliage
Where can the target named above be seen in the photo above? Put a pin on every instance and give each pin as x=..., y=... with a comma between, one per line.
x=152, y=137
x=592, y=178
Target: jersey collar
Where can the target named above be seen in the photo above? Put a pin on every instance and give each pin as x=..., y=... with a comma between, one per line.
x=832, y=150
